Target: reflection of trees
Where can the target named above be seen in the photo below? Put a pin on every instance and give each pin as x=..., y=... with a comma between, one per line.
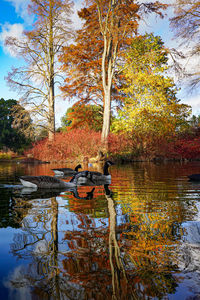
x=11, y=212
x=156, y=210
x=9, y=172
x=39, y=242
x=94, y=205
x=131, y=277
x=156, y=206
x=100, y=244
x=87, y=261
x=124, y=275
x=119, y=280
x=94, y=258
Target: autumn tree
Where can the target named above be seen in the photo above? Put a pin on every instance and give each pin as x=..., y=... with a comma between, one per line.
x=81, y=62
x=108, y=27
x=151, y=107
x=185, y=24
x=83, y=116
x=40, y=48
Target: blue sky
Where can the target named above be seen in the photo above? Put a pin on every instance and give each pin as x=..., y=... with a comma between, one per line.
x=14, y=18
x=8, y=15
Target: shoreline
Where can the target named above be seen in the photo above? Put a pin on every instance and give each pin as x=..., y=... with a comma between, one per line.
x=26, y=160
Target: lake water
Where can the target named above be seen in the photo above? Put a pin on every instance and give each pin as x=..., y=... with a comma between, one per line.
x=138, y=238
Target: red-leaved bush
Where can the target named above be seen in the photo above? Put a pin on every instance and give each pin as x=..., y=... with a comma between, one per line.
x=187, y=148
x=120, y=144
x=73, y=144
x=78, y=144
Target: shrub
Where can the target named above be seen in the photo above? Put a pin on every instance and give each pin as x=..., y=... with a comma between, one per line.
x=187, y=148
x=73, y=144
x=79, y=143
x=7, y=155
x=120, y=144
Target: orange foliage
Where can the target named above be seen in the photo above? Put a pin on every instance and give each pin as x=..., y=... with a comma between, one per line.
x=85, y=116
x=82, y=61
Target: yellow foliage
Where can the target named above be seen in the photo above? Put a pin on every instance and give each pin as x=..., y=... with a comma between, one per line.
x=151, y=105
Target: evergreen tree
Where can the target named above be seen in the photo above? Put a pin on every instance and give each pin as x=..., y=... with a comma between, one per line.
x=10, y=137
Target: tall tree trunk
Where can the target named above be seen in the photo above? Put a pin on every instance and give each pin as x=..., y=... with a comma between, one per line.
x=107, y=76
x=108, y=65
x=51, y=119
x=106, y=116
x=54, y=247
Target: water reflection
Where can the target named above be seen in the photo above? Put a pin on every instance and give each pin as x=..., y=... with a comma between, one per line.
x=137, y=238
x=89, y=252
x=117, y=265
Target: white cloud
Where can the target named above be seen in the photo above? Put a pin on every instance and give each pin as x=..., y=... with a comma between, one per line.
x=18, y=284
x=21, y=7
x=194, y=102
x=77, y=22
x=10, y=30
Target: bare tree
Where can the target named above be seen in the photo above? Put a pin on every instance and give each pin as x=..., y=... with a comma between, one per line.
x=40, y=48
x=185, y=24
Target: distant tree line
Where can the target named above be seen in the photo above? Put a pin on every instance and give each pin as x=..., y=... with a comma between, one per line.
x=10, y=137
